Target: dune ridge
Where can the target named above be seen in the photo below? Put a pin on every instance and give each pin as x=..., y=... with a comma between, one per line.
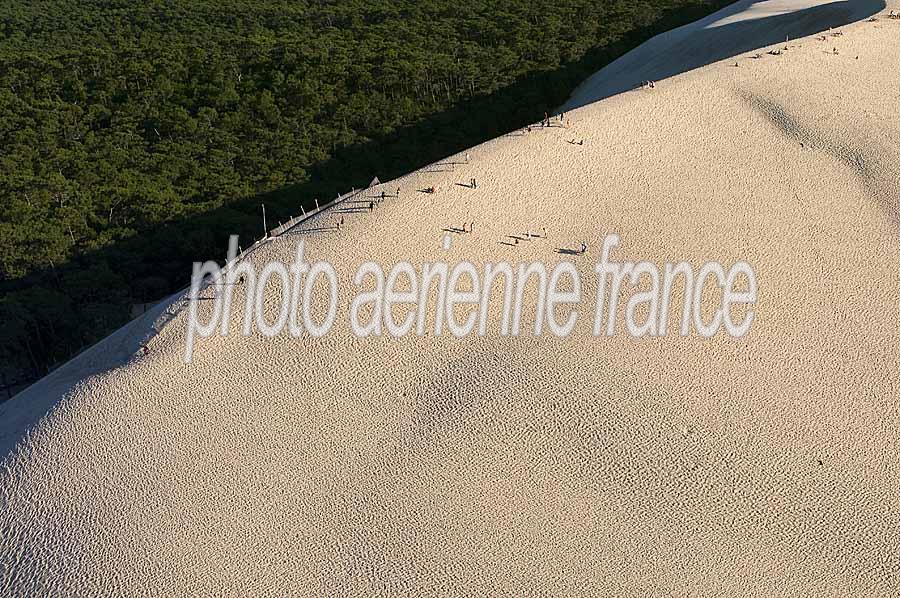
x=761, y=466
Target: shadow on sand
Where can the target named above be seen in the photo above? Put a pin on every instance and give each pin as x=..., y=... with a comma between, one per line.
x=151, y=254
x=704, y=45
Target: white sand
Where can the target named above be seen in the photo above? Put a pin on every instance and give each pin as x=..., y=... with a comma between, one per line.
x=522, y=466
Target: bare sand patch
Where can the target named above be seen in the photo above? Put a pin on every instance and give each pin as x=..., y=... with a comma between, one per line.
x=762, y=466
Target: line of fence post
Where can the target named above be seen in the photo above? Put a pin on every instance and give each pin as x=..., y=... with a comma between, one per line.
x=285, y=226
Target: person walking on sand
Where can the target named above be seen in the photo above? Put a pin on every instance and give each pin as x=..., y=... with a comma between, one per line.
x=583, y=247
x=382, y=196
x=544, y=232
x=467, y=157
x=398, y=191
x=341, y=223
x=371, y=205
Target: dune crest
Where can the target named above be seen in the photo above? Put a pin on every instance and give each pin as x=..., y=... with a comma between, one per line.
x=741, y=27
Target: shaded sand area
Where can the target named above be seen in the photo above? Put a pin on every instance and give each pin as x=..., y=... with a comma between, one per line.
x=740, y=27
x=670, y=466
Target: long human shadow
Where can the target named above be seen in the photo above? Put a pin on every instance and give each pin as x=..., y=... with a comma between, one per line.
x=701, y=43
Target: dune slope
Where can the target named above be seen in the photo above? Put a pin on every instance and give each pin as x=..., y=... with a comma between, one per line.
x=760, y=466
x=738, y=28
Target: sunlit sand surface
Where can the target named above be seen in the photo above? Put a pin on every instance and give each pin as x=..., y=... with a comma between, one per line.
x=609, y=466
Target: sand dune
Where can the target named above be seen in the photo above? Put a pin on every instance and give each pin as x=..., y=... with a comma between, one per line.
x=668, y=466
x=741, y=27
